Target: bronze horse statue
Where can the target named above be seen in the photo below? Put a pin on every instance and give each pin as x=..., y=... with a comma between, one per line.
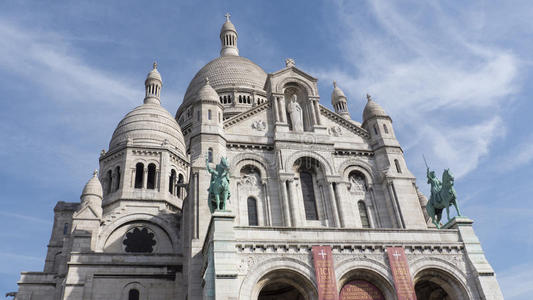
x=219, y=185
x=442, y=196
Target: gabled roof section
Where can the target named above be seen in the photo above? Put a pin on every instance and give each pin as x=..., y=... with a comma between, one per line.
x=277, y=80
x=245, y=115
x=342, y=121
x=295, y=70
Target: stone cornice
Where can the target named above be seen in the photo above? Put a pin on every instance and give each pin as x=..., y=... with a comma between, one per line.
x=337, y=118
x=245, y=115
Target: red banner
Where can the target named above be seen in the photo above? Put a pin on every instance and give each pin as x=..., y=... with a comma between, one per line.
x=360, y=290
x=325, y=273
x=400, y=272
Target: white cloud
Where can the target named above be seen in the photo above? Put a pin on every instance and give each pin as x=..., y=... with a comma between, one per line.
x=48, y=60
x=439, y=86
x=518, y=157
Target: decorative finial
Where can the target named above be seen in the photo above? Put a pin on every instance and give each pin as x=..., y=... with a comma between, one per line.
x=334, y=84
x=227, y=15
x=95, y=173
x=155, y=65
x=368, y=97
x=289, y=62
x=206, y=81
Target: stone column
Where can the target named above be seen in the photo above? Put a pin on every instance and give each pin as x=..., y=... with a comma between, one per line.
x=283, y=109
x=296, y=218
x=276, y=108
x=268, y=210
x=145, y=177
x=285, y=204
x=317, y=112
x=312, y=112
x=397, y=216
x=333, y=202
x=343, y=216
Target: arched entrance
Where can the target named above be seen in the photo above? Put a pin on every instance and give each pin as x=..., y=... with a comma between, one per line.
x=365, y=284
x=435, y=284
x=285, y=285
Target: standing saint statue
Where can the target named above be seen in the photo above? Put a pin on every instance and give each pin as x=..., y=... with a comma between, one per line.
x=295, y=112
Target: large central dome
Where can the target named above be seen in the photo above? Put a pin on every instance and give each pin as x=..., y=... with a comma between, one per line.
x=227, y=72
x=238, y=81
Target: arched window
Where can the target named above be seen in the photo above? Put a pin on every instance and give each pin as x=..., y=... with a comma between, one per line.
x=65, y=229
x=150, y=183
x=385, y=128
x=209, y=114
x=308, y=192
x=248, y=100
x=180, y=189
x=210, y=155
x=376, y=129
x=198, y=116
x=398, y=169
x=109, y=182
x=363, y=214
x=252, y=211
x=139, y=175
x=133, y=294
x=117, y=178
x=229, y=99
x=171, y=181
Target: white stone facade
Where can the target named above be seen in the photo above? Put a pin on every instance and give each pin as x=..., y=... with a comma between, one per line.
x=301, y=175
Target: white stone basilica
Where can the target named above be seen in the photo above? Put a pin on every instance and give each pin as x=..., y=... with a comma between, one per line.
x=301, y=175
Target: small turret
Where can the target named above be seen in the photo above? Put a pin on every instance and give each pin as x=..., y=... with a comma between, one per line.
x=372, y=109
x=340, y=102
x=228, y=38
x=92, y=194
x=153, y=84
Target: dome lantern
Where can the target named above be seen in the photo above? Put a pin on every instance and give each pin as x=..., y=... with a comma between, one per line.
x=152, y=86
x=339, y=101
x=228, y=38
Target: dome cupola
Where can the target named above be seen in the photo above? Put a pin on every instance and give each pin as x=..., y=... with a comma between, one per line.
x=153, y=85
x=92, y=189
x=149, y=125
x=372, y=109
x=228, y=38
x=339, y=101
x=207, y=92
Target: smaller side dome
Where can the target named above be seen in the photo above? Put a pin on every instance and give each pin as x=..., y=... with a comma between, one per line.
x=207, y=92
x=372, y=109
x=339, y=102
x=92, y=188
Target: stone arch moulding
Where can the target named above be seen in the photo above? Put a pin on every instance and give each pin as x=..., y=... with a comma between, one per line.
x=134, y=285
x=250, y=289
x=243, y=159
x=377, y=269
x=280, y=86
x=155, y=220
x=359, y=165
x=445, y=267
x=328, y=170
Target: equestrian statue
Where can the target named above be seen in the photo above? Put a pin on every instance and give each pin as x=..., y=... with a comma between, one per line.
x=442, y=195
x=219, y=185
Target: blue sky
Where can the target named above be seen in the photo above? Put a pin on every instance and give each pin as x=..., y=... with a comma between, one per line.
x=454, y=76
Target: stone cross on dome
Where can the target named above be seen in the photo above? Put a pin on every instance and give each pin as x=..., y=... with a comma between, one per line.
x=227, y=15
x=155, y=65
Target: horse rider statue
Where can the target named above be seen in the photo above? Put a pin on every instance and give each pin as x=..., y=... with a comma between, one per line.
x=219, y=185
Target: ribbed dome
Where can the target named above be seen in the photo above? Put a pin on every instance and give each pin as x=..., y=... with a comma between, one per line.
x=227, y=72
x=372, y=109
x=93, y=187
x=148, y=125
x=207, y=92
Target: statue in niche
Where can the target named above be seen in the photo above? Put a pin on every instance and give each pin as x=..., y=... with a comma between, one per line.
x=295, y=112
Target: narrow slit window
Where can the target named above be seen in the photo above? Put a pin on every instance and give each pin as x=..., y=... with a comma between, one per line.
x=397, y=163
x=150, y=183
x=363, y=214
x=252, y=211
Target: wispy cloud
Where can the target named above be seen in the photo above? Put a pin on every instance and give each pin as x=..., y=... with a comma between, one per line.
x=517, y=282
x=520, y=156
x=50, y=61
x=437, y=83
x=25, y=217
